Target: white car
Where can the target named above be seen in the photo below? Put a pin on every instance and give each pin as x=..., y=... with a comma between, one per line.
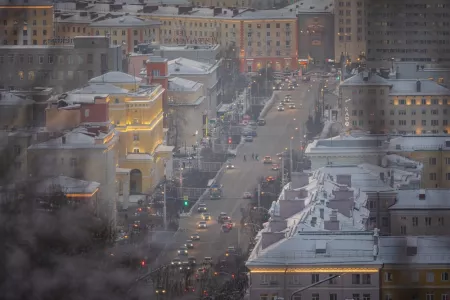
x=247, y=195
x=249, y=138
x=280, y=108
x=202, y=224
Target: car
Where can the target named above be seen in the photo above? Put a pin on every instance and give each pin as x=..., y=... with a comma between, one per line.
x=249, y=138
x=183, y=250
x=287, y=98
x=292, y=106
x=247, y=195
x=176, y=261
x=160, y=290
x=277, y=87
x=281, y=103
x=230, y=250
x=189, y=244
x=282, y=154
x=223, y=217
x=280, y=108
x=195, y=237
x=275, y=167
x=261, y=122
x=192, y=260
x=185, y=265
x=270, y=179
x=228, y=223
x=267, y=160
x=202, y=225
x=202, y=208
x=226, y=228
x=206, y=216
x=230, y=165
x=253, y=124
x=291, y=87
x=207, y=260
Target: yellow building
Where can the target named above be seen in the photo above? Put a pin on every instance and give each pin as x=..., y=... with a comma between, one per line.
x=26, y=22
x=136, y=111
x=70, y=25
x=433, y=151
x=414, y=268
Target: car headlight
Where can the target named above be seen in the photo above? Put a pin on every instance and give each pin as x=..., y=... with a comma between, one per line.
x=173, y=263
x=232, y=166
x=179, y=251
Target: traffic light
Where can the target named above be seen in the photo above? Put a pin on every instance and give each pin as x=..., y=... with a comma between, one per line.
x=230, y=140
x=232, y=276
x=143, y=263
x=186, y=203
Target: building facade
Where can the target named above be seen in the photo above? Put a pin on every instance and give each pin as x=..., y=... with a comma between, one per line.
x=372, y=103
x=414, y=267
x=346, y=258
x=26, y=22
x=60, y=67
x=187, y=105
x=400, y=31
x=350, y=30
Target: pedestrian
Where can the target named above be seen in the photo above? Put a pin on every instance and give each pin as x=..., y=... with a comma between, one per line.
x=245, y=158
x=253, y=155
x=256, y=156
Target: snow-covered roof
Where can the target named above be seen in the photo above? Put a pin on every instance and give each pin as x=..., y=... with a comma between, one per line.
x=124, y=21
x=139, y=156
x=429, y=199
x=346, y=143
x=12, y=99
x=186, y=66
x=177, y=84
x=418, y=142
x=372, y=80
x=318, y=248
x=424, y=250
x=100, y=88
x=398, y=161
x=408, y=87
x=115, y=77
x=68, y=185
x=78, y=138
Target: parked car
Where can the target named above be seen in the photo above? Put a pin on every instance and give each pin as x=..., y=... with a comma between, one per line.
x=249, y=138
x=261, y=122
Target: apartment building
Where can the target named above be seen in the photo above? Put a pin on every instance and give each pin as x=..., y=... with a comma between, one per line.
x=26, y=22
x=187, y=105
x=126, y=31
x=62, y=67
x=73, y=24
x=350, y=30
x=414, y=267
x=420, y=212
x=401, y=31
x=372, y=103
x=432, y=151
x=347, y=259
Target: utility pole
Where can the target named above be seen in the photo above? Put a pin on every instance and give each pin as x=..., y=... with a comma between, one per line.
x=282, y=171
x=259, y=195
x=165, y=208
x=290, y=157
x=181, y=184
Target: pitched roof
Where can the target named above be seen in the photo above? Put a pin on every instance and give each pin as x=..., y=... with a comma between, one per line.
x=68, y=185
x=408, y=87
x=177, y=84
x=100, y=88
x=115, y=77
x=372, y=80
x=124, y=21
x=433, y=199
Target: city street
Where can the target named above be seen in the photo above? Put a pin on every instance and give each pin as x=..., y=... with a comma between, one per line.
x=272, y=138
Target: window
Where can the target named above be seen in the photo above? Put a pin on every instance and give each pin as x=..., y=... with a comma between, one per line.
x=415, y=276
x=388, y=277
x=41, y=59
x=314, y=278
x=155, y=73
x=444, y=276
x=136, y=150
x=433, y=176
x=432, y=161
x=136, y=137
x=366, y=296
x=430, y=277
x=388, y=297
x=415, y=221
x=332, y=280
x=403, y=229
x=366, y=278
x=444, y=297
x=17, y=150
x=264, y=297
x=441, y=221
x=356, y=278
x=73, y=162
x=355, y=296
x=429, y=297
x=315, y=297
x=427, y=221
x=90, y=58
x=447, y=176
x=333, y=296
x=384, y=222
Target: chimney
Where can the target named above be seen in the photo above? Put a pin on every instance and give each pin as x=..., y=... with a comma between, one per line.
x=418, y=86
x=422, y=194
x=333, y=222
x=382, y=176
x=269, y=238
x=63, y=139
x=217, y=11
x=321, y=211
x=344, y=179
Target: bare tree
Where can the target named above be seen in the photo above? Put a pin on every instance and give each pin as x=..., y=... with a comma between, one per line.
x=177, y=124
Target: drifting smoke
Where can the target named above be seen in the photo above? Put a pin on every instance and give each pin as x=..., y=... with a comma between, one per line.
x=52, y=256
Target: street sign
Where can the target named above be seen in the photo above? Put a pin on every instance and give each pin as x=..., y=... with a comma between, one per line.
x=185, y=198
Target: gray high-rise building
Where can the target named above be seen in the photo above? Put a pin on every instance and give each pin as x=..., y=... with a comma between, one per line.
x=408, y=30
